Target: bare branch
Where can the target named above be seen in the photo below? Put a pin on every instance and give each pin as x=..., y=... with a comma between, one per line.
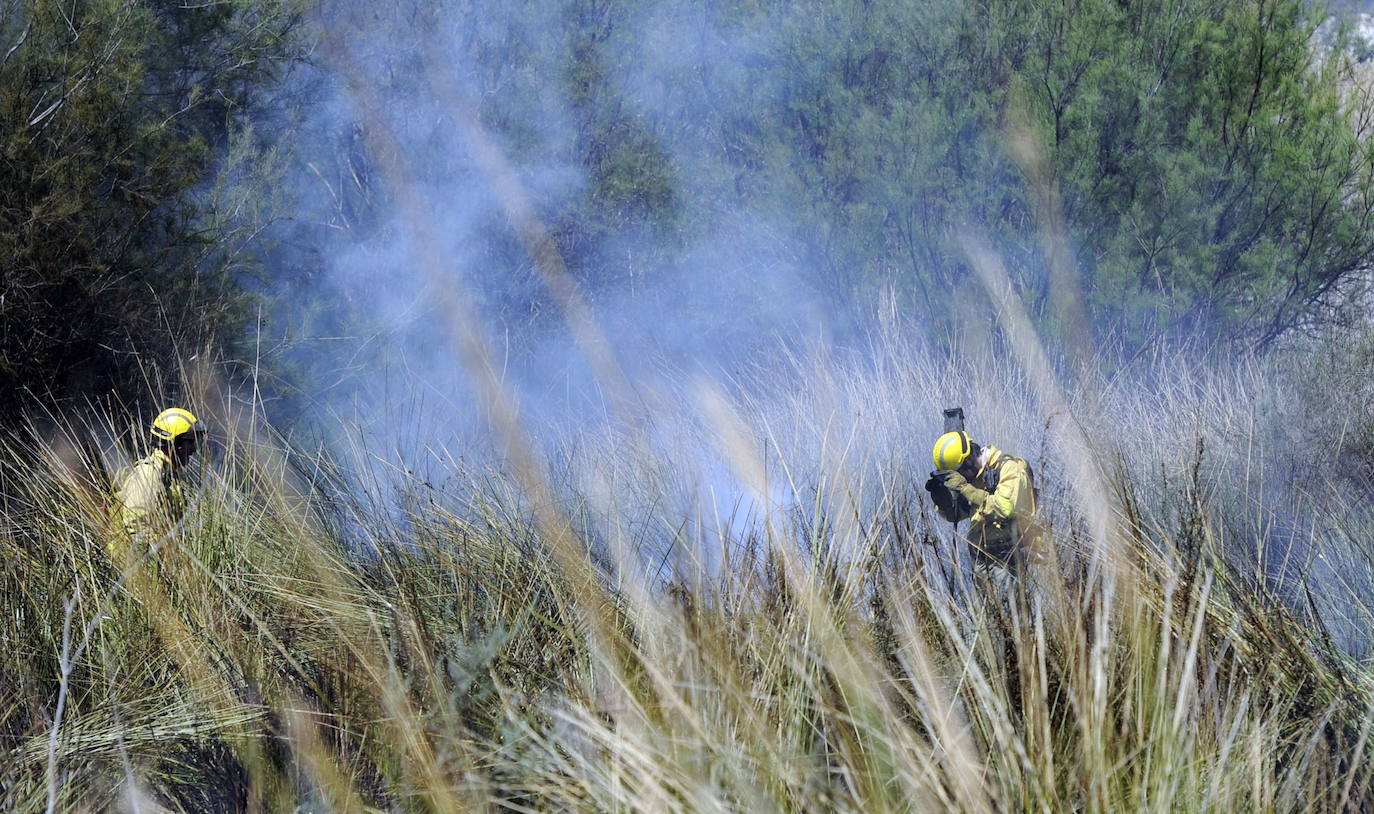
x=23, y=35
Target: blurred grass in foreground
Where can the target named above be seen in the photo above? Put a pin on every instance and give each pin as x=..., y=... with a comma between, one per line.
x=299, y=645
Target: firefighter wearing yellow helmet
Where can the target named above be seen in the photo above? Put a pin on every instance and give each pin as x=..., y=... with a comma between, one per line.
x=994, y=491
x=150, y=495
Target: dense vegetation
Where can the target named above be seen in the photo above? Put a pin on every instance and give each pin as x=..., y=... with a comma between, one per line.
x=457, y=649
x=127, y=187
x=1208, y=161
x=728, y=595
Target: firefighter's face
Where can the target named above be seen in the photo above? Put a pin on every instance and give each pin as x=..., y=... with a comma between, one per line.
x=183, y=448
x=969, y=468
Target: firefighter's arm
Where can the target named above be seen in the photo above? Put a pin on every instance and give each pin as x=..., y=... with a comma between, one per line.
x=957, y=483
x=1000, y=505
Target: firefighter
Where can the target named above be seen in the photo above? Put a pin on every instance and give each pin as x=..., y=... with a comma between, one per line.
x=150, y=495
x=994, y=491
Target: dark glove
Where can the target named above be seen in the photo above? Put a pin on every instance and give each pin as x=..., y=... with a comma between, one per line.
x=939, y=495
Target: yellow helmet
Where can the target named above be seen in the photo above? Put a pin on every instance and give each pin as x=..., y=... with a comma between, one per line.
x=952, y=449
x=175, y=421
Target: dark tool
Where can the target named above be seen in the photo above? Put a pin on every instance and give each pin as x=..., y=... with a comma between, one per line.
x=952, y=506
x=954, y=419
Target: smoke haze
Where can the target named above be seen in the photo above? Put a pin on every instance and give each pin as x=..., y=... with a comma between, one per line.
x=707, y=282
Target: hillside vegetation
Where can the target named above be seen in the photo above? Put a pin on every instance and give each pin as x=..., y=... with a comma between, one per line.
x=181, y=175
x=1132, y=239
x=131, y=187
x=449, y=645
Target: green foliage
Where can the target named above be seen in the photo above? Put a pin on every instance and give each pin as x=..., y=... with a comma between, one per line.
x=1207, y=172
x=1206, y=164
x=630, y=177
x=1198, y=155
x=1196, y=158
x=116, y=117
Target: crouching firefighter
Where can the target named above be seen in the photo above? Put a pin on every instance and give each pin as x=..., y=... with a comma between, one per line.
x=995, y=492
x=150, y=495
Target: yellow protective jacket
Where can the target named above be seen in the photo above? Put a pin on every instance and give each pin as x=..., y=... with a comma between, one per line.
x=148, y=496
x=1003, y=497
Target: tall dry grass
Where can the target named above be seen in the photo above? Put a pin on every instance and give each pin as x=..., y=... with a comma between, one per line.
x=750, y=608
